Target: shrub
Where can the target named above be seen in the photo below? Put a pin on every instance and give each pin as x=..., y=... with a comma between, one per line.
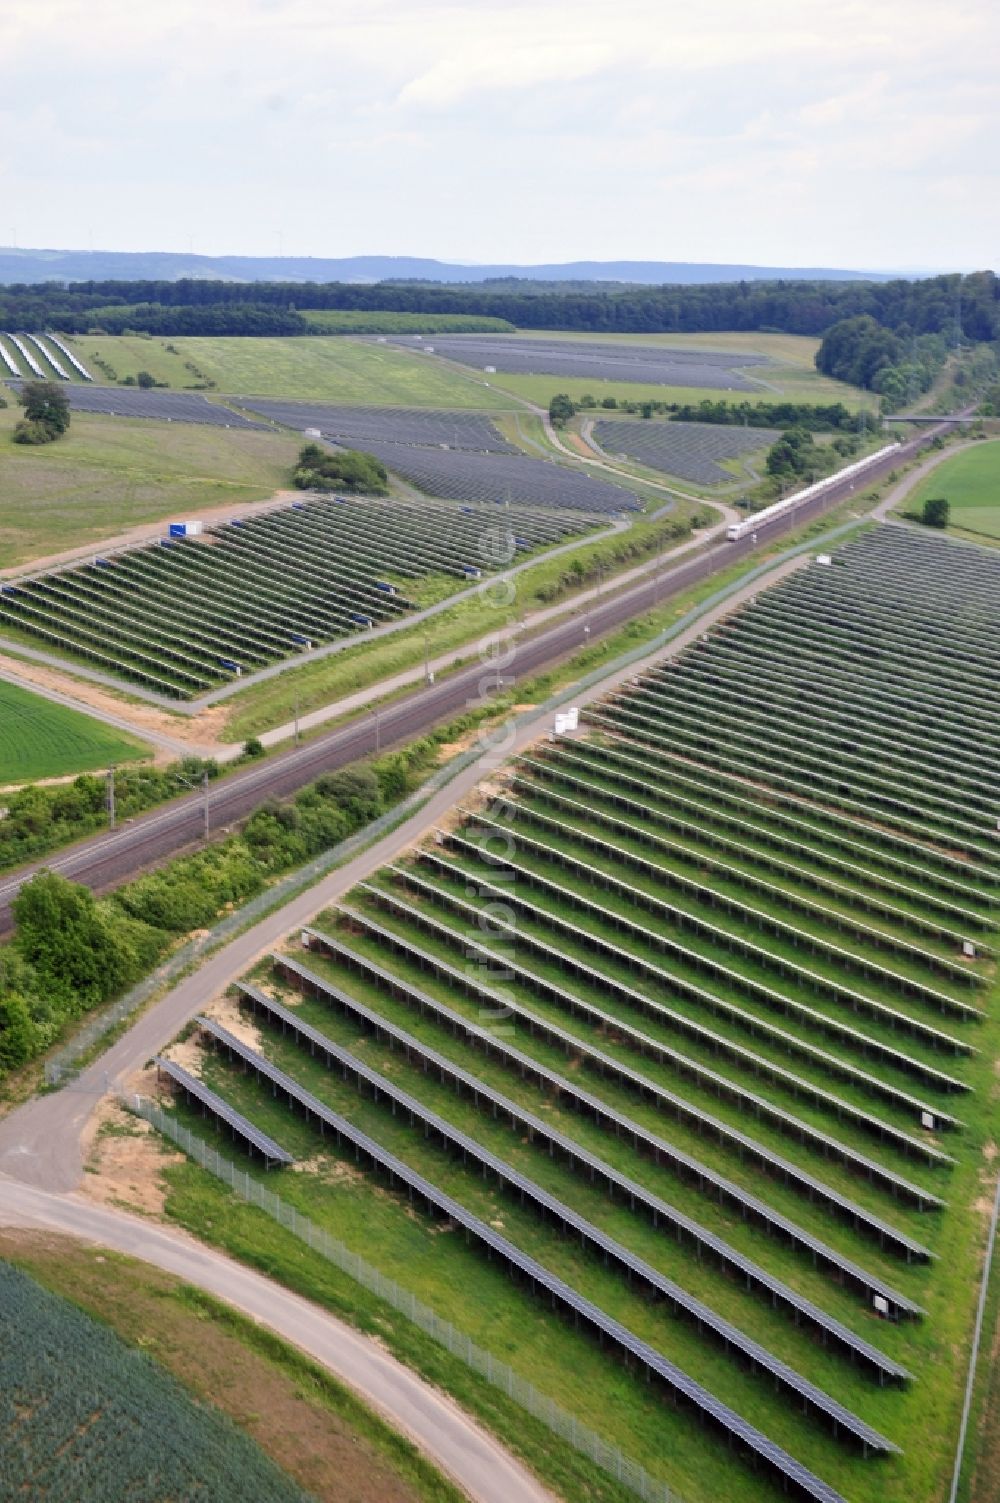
x=936, y=512
x=28, y=432
x=346, y=469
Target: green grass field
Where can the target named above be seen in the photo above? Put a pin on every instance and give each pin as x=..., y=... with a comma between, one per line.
x=39, y=739
x=354, y=321
x=320, y=369
x=971, y=482
x=110, y=474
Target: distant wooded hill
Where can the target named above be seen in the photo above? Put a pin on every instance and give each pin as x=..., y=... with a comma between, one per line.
x=168, y=266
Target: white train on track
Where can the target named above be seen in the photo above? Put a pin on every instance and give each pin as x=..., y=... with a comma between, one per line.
x=760, y=519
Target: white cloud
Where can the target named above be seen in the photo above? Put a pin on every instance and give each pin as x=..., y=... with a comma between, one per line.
x=502, y=129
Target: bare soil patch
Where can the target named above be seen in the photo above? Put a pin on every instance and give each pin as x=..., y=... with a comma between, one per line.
x=125, y=1161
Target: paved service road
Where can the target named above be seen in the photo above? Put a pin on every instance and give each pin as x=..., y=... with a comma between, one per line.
x=452, y=1440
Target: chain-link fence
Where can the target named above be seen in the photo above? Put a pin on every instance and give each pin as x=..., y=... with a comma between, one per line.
x=609, y=1458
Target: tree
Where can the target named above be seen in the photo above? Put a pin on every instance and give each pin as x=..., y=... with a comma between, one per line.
x=561, y=409
x=69, y=942
x=354, y=789
x=793, y=454
x=145, y=380
x=936, y=512
x=18, y=1032
x=45, y=402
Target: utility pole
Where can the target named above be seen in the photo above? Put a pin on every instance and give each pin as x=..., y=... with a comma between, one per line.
x=111, y=797
x=296, y=714
x=428, y=676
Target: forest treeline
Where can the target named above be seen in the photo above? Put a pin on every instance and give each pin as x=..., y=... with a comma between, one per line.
x=942, y=305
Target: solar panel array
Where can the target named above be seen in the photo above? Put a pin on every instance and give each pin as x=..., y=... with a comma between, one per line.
x=497, y=478
x=70, y=357
x=570, y=1093
x=690, y=450
x=397, y=425
x=721, y=958
x=599, y=361
x=434, y=1125
x=162, y=406
x=184, y=614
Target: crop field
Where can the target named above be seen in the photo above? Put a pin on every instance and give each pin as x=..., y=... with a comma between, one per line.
x=971, y=482
x=85, y=1417
x=580, y=359
x=689, y=450
x=464, y=476
x=105, y=477
x=690, y=1031
x=39, y=739
x=181, y=615
x=348, y=371
x=397, y=425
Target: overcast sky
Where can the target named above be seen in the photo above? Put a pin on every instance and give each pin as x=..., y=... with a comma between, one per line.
x=792, y=132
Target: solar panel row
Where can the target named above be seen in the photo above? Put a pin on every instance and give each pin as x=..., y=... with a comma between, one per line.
x=538, y=1129
x=210, y=1101
x=685, y=1066
x=397, y=425
x=599, y=361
